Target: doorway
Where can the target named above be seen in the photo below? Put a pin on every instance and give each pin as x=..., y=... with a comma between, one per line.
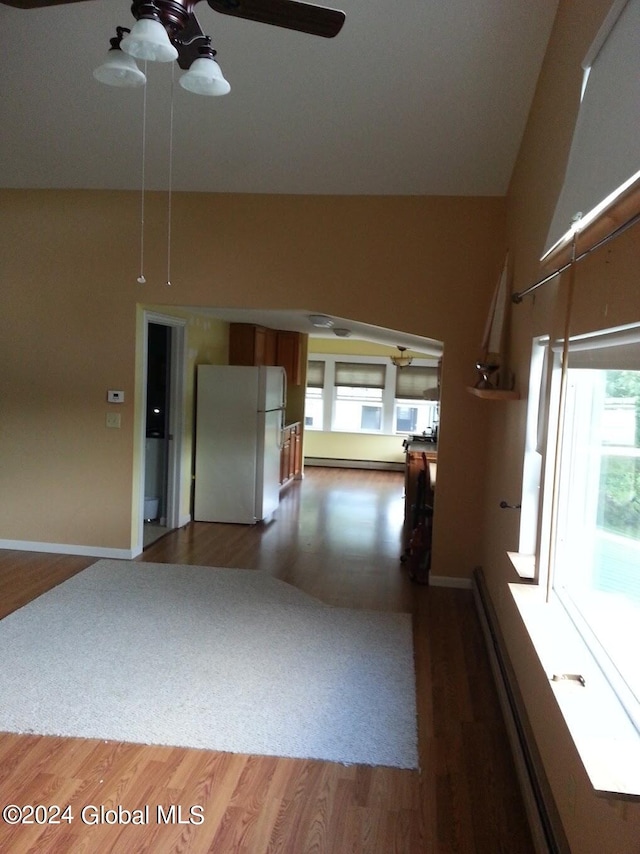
x=162, y=432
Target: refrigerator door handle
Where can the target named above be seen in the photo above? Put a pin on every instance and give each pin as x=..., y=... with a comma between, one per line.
x=280, y=441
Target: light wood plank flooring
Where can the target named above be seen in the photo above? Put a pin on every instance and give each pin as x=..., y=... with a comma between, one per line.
x=337, y=537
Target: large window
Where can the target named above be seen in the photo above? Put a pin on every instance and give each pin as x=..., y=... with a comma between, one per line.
x=414, y=411
x=313, y=406
x=371, y=395
x=358, y=397
x=595, y=555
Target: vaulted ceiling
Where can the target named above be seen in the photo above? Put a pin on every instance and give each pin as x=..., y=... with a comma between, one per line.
x=425, y=97
x=412, y=97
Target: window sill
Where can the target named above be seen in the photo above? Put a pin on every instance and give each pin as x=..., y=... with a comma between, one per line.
x=605, y=738
x=524, y=565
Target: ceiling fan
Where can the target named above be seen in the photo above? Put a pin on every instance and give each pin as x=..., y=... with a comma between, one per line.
x=169, y=29
x=174, y=14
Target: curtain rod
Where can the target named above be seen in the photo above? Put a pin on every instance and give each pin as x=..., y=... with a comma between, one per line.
x=518, y=297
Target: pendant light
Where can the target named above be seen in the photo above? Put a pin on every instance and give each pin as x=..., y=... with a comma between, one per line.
x=401, y=360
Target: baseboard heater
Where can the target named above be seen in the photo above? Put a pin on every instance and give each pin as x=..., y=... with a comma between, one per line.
x=376, y=465
x=547, y=831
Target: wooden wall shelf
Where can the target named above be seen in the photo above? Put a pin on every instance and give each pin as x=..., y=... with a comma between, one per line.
x=493, y=393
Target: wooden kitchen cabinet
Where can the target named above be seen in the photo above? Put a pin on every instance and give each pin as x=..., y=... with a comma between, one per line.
x=291, y=453
x=258, y=345
x=288, y=355
x=251, y=345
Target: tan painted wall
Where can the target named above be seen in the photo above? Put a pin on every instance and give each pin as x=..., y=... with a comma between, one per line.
x=69, y=267
x=607, y=294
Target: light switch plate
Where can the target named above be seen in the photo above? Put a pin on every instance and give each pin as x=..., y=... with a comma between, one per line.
x=113, y=419
x=115, y=396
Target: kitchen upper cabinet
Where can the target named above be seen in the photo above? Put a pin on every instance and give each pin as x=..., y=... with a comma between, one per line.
x=288, y=355
x=251, y=345
x=259, y=345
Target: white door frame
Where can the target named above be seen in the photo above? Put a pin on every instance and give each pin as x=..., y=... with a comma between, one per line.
x=176, y=417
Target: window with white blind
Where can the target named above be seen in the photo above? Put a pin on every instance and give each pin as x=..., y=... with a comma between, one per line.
x=595, y=555
x=371, y=395
x=414, y=412
x=358, y=396
x=314, y=404
x=602, y=169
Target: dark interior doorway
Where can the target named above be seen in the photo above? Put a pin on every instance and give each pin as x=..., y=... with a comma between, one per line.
x=158, y=395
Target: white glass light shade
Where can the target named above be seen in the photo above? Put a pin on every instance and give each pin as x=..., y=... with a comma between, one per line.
x=205, y=77
x=149, y=40
x=119, y=69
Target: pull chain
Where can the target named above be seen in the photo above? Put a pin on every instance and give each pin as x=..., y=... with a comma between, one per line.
x=170, y=178
x=141, y=278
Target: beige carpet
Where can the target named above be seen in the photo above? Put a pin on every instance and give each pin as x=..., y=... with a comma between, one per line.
x=223, y=659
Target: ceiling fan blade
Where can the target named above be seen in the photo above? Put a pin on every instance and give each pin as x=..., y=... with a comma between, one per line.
x=36, y=4
x=304, y=17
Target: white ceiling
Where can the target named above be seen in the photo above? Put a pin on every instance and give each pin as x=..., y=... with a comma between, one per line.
x=299, y=321
x=425, y=97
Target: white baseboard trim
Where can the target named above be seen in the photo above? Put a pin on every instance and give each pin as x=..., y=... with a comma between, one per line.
x=67, y=549
x=377, y=465
x=450, y=581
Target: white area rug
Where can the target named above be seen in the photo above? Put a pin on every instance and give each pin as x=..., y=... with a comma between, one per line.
x=223, y=659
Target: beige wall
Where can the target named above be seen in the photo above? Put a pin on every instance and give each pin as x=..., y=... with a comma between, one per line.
x=70, y=261
x=607, y=294
x=68, y=331
x=364, y=447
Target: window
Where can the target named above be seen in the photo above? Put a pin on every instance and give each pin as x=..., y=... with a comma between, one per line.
x=595, y=556
x=358, y=396
x=414, y=413
x=313, y=404
x=368, y=394
x=535, y=439
x=605, y=150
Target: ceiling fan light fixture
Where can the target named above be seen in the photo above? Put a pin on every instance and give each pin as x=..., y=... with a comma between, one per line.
x=402, y=360
x=205, y=77
x=321, y=321
x=149, y=40
x=119, y=69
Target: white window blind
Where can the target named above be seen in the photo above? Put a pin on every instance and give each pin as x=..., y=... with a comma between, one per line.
x=605, y=150
x=412, y=382
x=356, y=375
x=614, y=349
x=315, y=374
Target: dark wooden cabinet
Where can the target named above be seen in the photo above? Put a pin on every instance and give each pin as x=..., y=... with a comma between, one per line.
x=259, y=345
x=251, y=345
x=291, y=453
x=288, y=352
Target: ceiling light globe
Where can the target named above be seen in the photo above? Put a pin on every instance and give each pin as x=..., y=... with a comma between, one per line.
x=322, y=321
x=119, y=69
x=205, y=77
x=149, y=40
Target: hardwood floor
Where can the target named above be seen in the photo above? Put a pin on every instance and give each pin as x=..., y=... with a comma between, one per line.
x=337, y=537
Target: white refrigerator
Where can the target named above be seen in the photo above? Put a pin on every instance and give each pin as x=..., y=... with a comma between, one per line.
x=239, y=421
